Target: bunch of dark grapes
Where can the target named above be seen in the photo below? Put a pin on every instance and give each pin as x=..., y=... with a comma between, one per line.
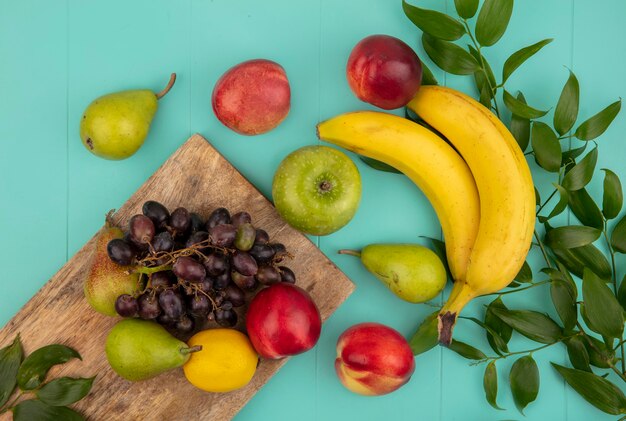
x=196, y=271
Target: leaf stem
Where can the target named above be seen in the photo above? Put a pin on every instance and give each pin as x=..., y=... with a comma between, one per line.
x=501, y=357
x=614, y=279
x=546, y=201
x=543, y=250
x=532, y=285
x=10, y=405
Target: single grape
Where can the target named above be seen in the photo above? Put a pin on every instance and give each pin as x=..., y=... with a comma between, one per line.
x=196, y=223
x=262, y=237
x=241, y=218
x=184, y=325
x=221, y=281
x=141, y=229
x=219, y=216
x=218, y=299
x=163, y=241
x=189, y=269
x=280, y=252
x=155, y=211
x=244, y=238
x=165, y=320
x=226, y=318
x=199, y=305
x=211, y=316
x=234, y=295
x=120, y=252
x=287, y=275
x=163, y=279
x=223, y=235
x=244, y=282
x=180, y=220
x=244, y=263
x=206, y=285
x=172, y=304
x=126, y=305
x=226, y=305
x=148, y=306
x=216, y=264
x=262, y=253
x=199, y=237
x=267, y=275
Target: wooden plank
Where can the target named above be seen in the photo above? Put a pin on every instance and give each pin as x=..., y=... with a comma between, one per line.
x=199, y=178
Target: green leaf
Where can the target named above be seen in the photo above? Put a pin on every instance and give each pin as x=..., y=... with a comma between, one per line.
x=580, y=174
x=503, y=330
x=521, y=108
x=35, y=410
x=567, y=108
x=546, y=147
x=64, y=391
x=572, y=154
x=427, y=76
x=537, y=197
x=577, y=353
x=490, y=384
x=498, y=341
x=559, y=207
x=612, y=198
x=466, y=351
x=525, y=274
x=439, y=247
x=524, y=380
x=378, y=165
x=492, y=21
x=599, y=355
x=33, y=370
x=602, y=308
x=533, y=325
x=571, y=236
x=618, y=236
x=520, y=127
x=479, y=57
x=596, y=390
x=466, y=8
x=563, y=296
x=585, y=209
x=435, y=23
x=576, y=259
x=10, y=359
x=426, y=337
x=596, y=125
x=519, y=57
x=449, y=57
x=621, y=293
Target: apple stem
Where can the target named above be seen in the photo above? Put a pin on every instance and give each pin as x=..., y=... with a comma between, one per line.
x=350, y=252
x=168, y=87
x=189, y=350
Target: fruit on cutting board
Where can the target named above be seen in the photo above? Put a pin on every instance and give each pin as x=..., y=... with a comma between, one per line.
x=431, y=163
x=283, y=320
x=227, y=360
x=412, y=272
x=252, y=97
x=107, y=280
x=140, y=349
x=505, y=187
x=384, y=71
x=317, y=189
x=115, y=126
x=373, y=359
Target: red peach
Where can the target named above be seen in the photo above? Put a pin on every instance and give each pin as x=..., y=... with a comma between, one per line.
x=384, y=71
x=283, y=320
x=252, y=97
x=373, y=359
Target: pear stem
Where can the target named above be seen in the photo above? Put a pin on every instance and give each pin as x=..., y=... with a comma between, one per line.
x=168, y=87
x=350, y=252
x=148, y=271
x=108, y=219
x=189, y=350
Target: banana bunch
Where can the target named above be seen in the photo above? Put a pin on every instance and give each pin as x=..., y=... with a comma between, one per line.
x=480, y=187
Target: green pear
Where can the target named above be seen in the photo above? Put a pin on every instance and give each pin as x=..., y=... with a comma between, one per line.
x=115, y=126
x=107, y=280
x=140, y=349
x=412, y=272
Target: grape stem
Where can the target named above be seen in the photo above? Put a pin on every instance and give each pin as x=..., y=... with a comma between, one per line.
x=350, y=252
x=168, y=87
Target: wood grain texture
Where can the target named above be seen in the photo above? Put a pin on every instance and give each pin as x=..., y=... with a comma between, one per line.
x=199, y=178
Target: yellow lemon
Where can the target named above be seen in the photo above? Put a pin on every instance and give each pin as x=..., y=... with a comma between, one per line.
x=226, y=362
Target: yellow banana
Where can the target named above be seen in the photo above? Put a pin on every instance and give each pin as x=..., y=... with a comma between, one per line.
x=428, y=161
x=505, y=188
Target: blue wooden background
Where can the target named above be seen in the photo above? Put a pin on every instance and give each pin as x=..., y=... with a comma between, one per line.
x=57, y=56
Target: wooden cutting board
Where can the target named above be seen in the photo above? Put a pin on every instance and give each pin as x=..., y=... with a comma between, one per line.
x=197, y=177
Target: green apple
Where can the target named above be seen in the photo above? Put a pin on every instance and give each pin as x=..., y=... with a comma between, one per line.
x=317, y=189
